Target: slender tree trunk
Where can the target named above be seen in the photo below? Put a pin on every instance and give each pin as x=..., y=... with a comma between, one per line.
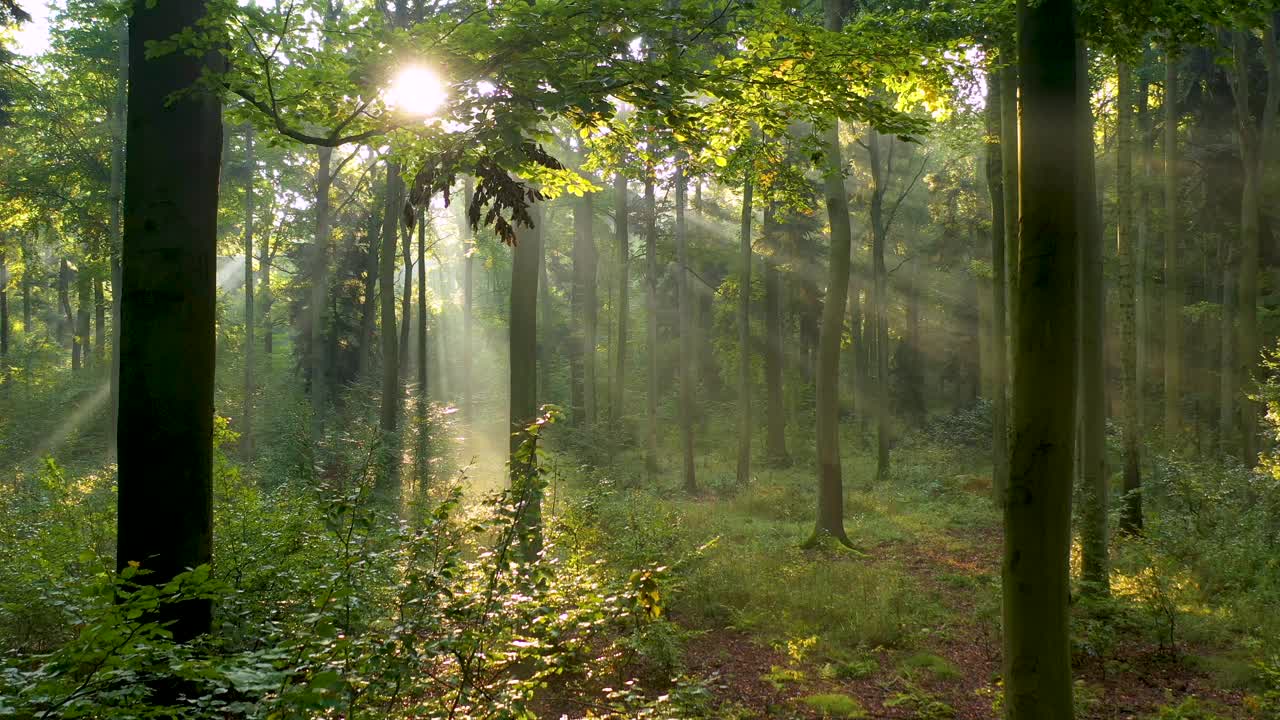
x=1094, y=477
x=623, y=242
x=879, y=173
x=422, y=309
x=583, y=305
x=4, y=316
x=1173, y=293
x=28, y=263
x=744, y=338
x=830, y=510
x=406, y=301
x=523, y=343
x=1131, y=511
x=388, y=415
x=369, y=302
x=84, y=310
x=651, y=312
x=1009, y=184
x=1227, y=376
x=64, y=305
x=1142, y=240
x=684, y=307
x=775, y=415
x=165, y=496
x=264, y=292
x=251, y=167
x=1037, y=510
x=546, y=328
x=320, y=297
x=999, y=330
x=468, y=300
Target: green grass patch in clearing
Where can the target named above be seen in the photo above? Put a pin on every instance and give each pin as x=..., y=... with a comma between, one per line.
x=835, y=705
x=937, y=666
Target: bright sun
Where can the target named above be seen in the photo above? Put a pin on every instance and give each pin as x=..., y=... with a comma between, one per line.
x=416, y=91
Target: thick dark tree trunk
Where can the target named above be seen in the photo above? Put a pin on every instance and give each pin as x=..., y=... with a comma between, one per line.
x=523, y=343
x=165, y=519
x=1037, y=510
x=389, y=412
x=830, y=510
x=999, y=330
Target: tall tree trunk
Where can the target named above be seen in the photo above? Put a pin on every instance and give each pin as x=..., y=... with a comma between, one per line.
x=1173, y=293
x=583, y=285
x=165, y=496
x=1094, y=477
x=1142, y=240
x=546, y=328
x=684, y=308
x=1131, y=511
x=251, y=173
x=523, y=342
x=1228, y=259
x=389, y=412
x=369, y=301
x=999, y=330
x=65, y=321
x=406, y=300
x=84, y=310
x=4, y=316
x=1257, y=145
x=28, y=263
x=264, y=292
x=623, y=242
x=422, y=309
x=468, y=300
x=775, y=414
x=830, y=510
x=651, y=319
x=1009, y=169
x=320, y=297
x=1037, y=510
x=744, y=338
x=880, y=171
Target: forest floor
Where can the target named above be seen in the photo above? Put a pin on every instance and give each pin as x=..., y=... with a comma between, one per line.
x=905, y=626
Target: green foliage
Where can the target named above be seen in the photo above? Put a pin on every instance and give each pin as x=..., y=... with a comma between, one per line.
x=835, y=705
x=934, y=665
x=1186, y=709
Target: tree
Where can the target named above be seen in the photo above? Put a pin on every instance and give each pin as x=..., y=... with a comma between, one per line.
x=173, y=148
x=1131, y=513
x=1037, y=508
x=651, y=318
x=1173, y=292
x=744, y=336
x=685, y=311
x=999, y=286
x=775, y=415
x=523, y=343
x=251, y=173
x=623, y=241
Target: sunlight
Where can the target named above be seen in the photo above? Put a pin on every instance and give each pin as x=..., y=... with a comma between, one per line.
x=416, y=91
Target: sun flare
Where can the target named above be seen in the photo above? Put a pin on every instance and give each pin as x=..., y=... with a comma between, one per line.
x=416, y=91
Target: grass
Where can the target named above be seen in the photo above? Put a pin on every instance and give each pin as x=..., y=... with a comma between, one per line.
x=835, y=705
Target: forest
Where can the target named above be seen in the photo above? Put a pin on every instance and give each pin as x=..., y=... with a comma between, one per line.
x=623, y=359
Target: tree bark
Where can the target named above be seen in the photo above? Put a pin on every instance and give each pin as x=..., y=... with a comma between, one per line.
x=1009, y=184
x=468, y=300
x=406, y=301
x=744, y=337
x=623, y=242
x=1131, y=511
x=165, y=496
x=389, y=412
x=422, y=310
x=999, y=330
x=1037, y=510
x=880, y=171
x=685, y=309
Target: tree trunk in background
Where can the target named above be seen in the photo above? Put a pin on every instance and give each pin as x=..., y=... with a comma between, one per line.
x=84, y=310
x=115, y=196
x=1142, y=240
x=406, y=300
x=65, y=320
x=165, y=497
x=578, y=310
x=4, y=317
x=684, y=307
x=744, y=338
x=468, y=300
x=879, y=301
x=546, y=341
x=319, y=297
x=523, y=342
x=623, y=242
x=1037, y=511
x=584, y=234
x=1227, y=258
x=251, y=168
x=651, y=319
x=422, y=311
x=1131, y=511
x=1173, y=293
x=388, y=414
x=28, y=261
x=264, y=285
x=999, y=331
x=1095, y=480
x=830, y=510
x=442, y=365
x=1257, y=145
x=775, y=414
